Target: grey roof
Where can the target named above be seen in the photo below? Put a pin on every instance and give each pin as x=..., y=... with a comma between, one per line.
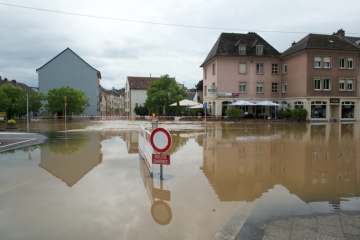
x=227, y=46
x=191, y=95
x=15, y=84
x=353, y=40
x=99, y=74
x=320, y=41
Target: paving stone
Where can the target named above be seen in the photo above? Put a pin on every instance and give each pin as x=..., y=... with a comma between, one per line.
x=278, y=232
x=335, y=231
x=248, y=232
x=272, y=238
x=301, y=232
x=351, y=237
x=350, y=220
x=284, y=222
x=351, y=230
x=327, y=237
x=305, y=221
x=330, y=220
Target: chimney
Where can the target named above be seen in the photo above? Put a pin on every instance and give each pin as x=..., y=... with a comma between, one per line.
x=340, y=33
x=293, y=43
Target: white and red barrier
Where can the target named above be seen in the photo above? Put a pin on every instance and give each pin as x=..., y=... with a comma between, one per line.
x=145, y=148
x=127, y=117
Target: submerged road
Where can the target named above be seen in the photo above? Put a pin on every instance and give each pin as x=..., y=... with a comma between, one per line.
x=10, y=140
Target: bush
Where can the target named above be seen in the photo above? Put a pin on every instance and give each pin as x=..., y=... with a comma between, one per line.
x=299, y=113
x=234, y=112
x=284, y=113
x=11, y=122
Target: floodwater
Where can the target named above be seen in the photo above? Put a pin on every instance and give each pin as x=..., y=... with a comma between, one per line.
x=87, y=180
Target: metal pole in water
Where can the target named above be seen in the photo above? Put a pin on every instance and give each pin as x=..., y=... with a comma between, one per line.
x=161, y=172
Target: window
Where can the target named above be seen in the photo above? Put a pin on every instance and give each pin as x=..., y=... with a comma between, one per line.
x=259, y=50
x=350, y=85
x=242, y=49
x=242, y=68
x=284, y=87
x=350, y=63
x=318, y=109
x=242, y=87
x=342, y=85
x=259, y=68
x=274, y=87
x=317, y=63
x=347, y=109
x=285, y=68
x=259, y=87
x=346, y=62
x=205, y=92
x=205, y=75
x=213, y=68
x=326, y=84
x=317, y=84
x=326, y=62
x=342, y=63
x=274, y=69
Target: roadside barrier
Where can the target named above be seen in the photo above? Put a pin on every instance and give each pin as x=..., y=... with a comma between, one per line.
x=128, y=117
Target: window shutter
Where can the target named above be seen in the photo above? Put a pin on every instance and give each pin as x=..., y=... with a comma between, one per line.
x=326, y=59
x=242, y=68
x=317, y=59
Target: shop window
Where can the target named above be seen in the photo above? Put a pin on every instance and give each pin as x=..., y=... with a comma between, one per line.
x=318, y=109
x=347, y=109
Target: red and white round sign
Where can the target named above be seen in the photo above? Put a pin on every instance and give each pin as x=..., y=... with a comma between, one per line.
x=160, y=140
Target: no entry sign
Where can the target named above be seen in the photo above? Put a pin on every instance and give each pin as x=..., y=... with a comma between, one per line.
x=160, y=140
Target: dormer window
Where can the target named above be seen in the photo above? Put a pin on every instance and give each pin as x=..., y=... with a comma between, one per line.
x=259, y=50
x=242, y=49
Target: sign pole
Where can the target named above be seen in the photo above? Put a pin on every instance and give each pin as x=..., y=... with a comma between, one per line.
x=161, y=172
x=65, y=112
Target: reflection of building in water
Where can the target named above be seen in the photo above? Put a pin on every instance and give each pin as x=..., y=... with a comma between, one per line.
x=71, y=167
x=160, y=210
x=315, y=162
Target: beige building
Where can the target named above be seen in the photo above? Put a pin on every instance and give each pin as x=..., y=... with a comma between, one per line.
x=319, y=73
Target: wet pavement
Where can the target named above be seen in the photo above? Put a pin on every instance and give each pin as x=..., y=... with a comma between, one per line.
x=226, y=180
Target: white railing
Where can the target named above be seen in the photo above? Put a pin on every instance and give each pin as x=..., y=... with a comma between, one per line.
x=145, y=148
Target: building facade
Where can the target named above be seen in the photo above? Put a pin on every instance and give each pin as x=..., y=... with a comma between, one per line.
x=319, y=73
x=68, y=69
x=135, y=93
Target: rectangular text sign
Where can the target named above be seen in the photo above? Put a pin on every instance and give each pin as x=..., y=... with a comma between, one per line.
x=161, y=159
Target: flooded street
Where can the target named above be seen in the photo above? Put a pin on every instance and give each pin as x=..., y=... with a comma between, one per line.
x=88, y=181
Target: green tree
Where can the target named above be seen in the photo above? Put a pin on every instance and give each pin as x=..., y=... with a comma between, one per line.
x=141, y=110
x=13, y=100
x=162, y=93
x=76, y=100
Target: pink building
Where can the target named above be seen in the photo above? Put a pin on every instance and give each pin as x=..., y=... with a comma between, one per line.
x=319, y=73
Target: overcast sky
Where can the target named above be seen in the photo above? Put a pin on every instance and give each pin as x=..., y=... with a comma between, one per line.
x=115, y=42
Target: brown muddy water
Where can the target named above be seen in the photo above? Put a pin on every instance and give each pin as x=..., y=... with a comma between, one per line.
x=87, y=180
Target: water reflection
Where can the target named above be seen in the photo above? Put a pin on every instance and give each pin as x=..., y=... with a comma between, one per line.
x=317, y=162
x=70, y=156
x=160, y=210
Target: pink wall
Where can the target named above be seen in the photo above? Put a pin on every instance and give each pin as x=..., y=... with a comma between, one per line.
x=296, y=76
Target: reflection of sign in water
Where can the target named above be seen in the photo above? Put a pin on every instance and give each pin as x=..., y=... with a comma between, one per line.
x=161, y=212
x=161, y=194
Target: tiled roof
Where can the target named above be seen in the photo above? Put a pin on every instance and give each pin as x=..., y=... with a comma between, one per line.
x=99, y=74
x=141, y=82
x=227, y=46
x=320, y=41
